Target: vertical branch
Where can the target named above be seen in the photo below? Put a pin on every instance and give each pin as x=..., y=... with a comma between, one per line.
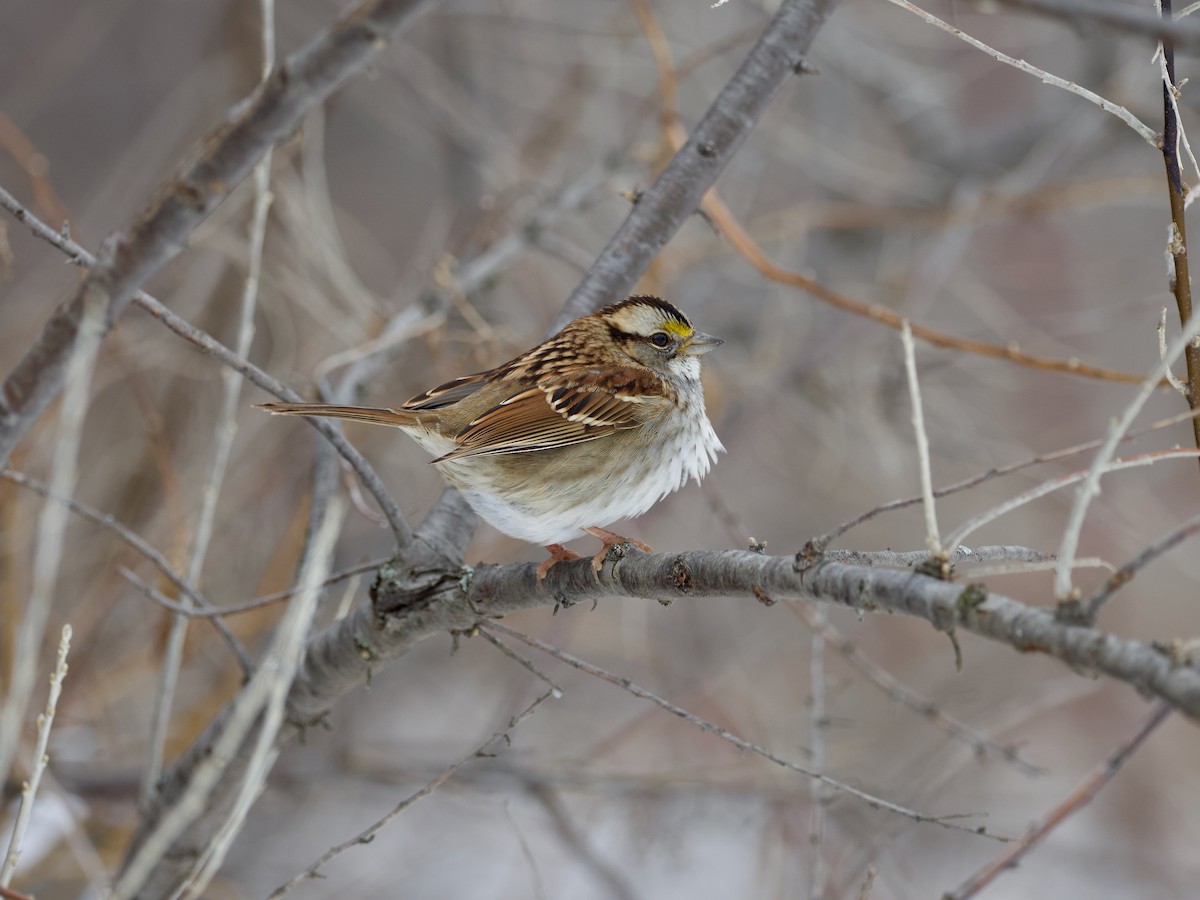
x=226, y=430
x=1181, y=282
x=259, y=705
x=52, y=523
x=933, y=538
x=29, y=791
x=818, y=793
x=293, y=634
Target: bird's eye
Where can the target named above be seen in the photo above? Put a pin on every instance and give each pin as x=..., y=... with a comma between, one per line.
x=659, y=339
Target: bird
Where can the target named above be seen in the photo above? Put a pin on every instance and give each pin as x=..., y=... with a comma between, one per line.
x=597, y=423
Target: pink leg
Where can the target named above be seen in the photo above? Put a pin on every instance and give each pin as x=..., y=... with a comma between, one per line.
x=611, y=539
x=558, y=553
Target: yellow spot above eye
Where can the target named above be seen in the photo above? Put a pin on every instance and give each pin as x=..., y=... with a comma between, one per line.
x=678, y=329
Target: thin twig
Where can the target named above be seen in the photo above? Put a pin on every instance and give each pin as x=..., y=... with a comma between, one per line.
x=996, y=472
x=1143, y=130
x=523, y=661
x=288, y=651
x=906, y=696
x=365, y=836
x=726, y=735
x=741, y=241
x=201, y=606
x=1121, y=18
x=40, y=759
x=224, y=157
x=52, y=525
x=932, y=536
x=260, y=701
x=818, y=794
x=1125, y=574
x=210, y=346
x=1100, y=464
x=1046, y=487
x=1076, y=800
x=225, y=429
x=234, y=609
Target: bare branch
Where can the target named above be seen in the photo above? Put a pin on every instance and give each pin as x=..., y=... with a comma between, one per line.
x=902, y=694
x=726, y=735
x=223, y=158
x=1125, y=574
x=141, y=546
x=81, y=350
x=210, y=346
x=664, y=206
x=365, y=836
x=1121, y=18
x=225, y=430
x=1100, y=464
x=1144, y=131
x=1078, y=798
x=933, y=538
x=30, y=788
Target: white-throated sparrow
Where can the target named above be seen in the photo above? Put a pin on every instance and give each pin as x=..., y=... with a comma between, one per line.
x=598, y=423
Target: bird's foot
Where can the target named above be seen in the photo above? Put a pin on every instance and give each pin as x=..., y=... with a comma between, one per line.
x=558, y=553
x=611, y=539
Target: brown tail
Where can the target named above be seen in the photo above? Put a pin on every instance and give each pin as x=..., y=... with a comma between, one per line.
x=392, y=417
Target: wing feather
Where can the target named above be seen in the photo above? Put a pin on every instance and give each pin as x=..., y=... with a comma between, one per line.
x=568, y=408
x=449, y=393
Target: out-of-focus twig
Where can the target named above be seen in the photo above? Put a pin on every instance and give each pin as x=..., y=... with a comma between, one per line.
x=83, y=349
x=726, y=735
x=210, y=346
x=664, y=206
x=1076, y=800
x=994, y=472
x=225, y=429
x=741, y=241
x=224, y=157
x=1121, y=18
x=1144, y=131
x=139, y=544
x=902, y=694
x=40, y=759
x=818, y=721
x=367, y=834
x=1125, y=574
x=259, y=703
x=739, y=238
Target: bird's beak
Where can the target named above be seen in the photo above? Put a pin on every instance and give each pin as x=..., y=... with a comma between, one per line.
x=700, y=343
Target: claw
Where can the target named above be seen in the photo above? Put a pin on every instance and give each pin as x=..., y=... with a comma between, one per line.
x=611, y=539
x=558, y=553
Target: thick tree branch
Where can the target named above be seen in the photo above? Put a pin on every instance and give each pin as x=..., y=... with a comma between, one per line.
x=224, y=157
x=404, y=614
x=412, y=603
